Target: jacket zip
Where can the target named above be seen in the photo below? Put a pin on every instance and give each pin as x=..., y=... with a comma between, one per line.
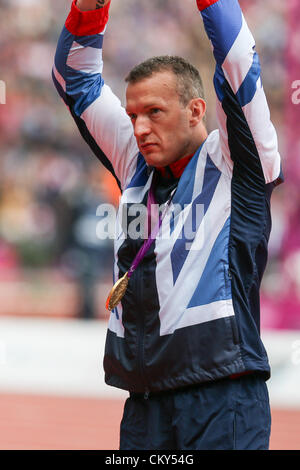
x=141, y=335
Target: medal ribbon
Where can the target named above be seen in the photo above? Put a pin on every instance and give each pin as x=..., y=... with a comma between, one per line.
x=147, y=243
x=119, y=288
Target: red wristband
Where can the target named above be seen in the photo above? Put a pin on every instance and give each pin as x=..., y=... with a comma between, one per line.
x=202, y=4
x=87, y=23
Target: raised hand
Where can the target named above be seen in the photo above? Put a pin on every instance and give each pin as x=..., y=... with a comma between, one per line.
x=101, y=3
x=87, y=5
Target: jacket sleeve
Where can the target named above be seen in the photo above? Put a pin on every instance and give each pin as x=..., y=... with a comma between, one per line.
x=242, y=110
x=98, y=113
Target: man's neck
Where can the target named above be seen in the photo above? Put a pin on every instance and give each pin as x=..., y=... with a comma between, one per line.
x=175, y=169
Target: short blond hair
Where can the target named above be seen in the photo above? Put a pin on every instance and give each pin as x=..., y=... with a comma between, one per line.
x=189, y=82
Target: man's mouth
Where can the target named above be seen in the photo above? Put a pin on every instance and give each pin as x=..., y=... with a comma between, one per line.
x=148, y=146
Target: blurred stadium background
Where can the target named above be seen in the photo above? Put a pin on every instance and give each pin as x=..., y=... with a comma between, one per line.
x=55, y=272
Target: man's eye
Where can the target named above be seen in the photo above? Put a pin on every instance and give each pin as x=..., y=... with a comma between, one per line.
x=132, y=116
x=154, y=110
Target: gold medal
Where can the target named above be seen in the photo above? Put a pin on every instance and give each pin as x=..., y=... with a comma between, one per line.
x=117, y=292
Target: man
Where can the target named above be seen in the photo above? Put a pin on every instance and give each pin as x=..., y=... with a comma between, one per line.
x=184, y=339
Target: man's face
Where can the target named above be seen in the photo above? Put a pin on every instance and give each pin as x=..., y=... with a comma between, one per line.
x=160, y=121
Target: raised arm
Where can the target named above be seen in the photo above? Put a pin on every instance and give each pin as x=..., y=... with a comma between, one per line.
x=77, y=75
x=242, y=109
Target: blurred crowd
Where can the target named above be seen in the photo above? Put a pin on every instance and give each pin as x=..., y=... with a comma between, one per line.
x=50, y=182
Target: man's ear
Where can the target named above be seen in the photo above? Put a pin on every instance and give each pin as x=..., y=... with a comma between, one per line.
x=197, y=107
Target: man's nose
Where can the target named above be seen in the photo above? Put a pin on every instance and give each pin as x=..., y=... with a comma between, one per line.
x=141, y=126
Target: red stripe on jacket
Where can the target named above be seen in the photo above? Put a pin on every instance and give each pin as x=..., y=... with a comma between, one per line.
x=202, y=4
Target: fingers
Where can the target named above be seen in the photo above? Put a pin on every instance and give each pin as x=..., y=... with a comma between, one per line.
x=101, y=3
